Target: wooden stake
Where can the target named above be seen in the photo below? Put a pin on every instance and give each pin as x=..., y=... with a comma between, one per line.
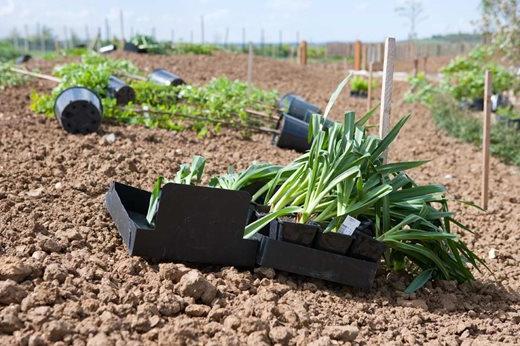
x=303, y=53
x=357, y=55
x=425, y=59
x=250, y=65
x=369, y=92
x=35, y=74
x=415, y=67
x=386, y=90
x=486, y=139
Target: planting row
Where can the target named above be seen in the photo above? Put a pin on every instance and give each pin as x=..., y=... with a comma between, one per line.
x=330, y=214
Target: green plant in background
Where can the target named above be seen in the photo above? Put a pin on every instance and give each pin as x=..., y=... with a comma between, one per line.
x=508, y=112
x=9, y=78
x=421, y=90
x=360, y=84
x=463, y=77
x=194, y=48
x=148, y=43
x=7, y=51
x=221, y=102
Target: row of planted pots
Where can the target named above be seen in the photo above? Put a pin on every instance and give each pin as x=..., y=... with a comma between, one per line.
x=189, y=228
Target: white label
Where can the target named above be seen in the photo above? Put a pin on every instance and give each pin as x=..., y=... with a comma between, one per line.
x=349, y=225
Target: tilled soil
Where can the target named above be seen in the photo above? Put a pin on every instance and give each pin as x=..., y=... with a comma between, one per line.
x=66, y=278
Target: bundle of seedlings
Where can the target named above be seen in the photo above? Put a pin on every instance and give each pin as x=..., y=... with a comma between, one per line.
x=343, y=176
x=359, y=86
x=205, y=109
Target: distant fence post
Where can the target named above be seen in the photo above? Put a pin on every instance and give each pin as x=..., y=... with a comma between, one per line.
x=415, y=67
x=303, y=53
x=486, y=139
x=357, y=55
x=386, y=90
x=425, y=59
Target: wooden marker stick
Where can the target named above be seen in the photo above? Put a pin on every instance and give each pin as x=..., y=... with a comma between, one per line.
x=386, y=90
x=486, y=139
x=250, y=65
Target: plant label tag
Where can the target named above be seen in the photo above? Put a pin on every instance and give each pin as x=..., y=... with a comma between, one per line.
x=349, y=225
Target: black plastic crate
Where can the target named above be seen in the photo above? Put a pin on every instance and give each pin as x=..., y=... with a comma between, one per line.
x=315, y=263
x=193, y=224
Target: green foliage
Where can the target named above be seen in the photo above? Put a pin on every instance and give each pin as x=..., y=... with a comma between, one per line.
x=9, y=78
x=202, y=108
x=7, y=51
x=421, y=90
x=194, y=48
x=508, y=112
x=463, y=77
x=149, y=44
x=360, y=84
x=505, y=141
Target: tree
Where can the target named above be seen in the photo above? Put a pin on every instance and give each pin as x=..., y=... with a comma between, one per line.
x=412, y=10
x=501, y=21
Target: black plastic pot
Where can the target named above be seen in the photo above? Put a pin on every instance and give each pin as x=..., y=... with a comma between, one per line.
x=23, y=58
x=514, y=123
x=297, y=107
x=476, y=104
x=130, y=47
x=78, y=110
x=119, y=90
x=163, y=77
x=107, y=49
x=292, y=232
x=315, y=263
x=293, y=134
x=356, y=93
x=332, y=242
x=365, y=247
x=193, y=224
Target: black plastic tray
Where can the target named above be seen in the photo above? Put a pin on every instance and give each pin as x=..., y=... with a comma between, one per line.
x=318, y=264
x=193, y=224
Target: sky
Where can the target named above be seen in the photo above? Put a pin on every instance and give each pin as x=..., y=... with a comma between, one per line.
x=314, y=20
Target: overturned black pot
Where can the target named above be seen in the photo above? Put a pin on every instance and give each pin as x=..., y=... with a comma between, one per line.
x=296, y=106
x=107, y=49
x=293, y=133
x=162, y=77
x=23, y=58
x=78, y=110
x=131, y=47
x=122, y=92
x=292, y=232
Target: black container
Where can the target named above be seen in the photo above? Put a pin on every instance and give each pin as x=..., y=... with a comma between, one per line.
x=293, y=134
x=297, y=107
x=297, y=233
x=332, y=242
x=514, y=123
x=130, y=47
x=193, y=224
x=78, y=110
x=23, y=58
x=107, y=49
x=365, y=247
x=476, y=104
x=315, y=263
x=119, y=90
x=163, y=77
x=360, y=93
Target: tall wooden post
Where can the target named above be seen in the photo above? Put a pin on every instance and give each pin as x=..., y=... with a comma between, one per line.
x=357, y=55
x=386, y=90
x=369, y=92
x=303, y=53
x=415, y=67
x=486, y=139
x=425, y=60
